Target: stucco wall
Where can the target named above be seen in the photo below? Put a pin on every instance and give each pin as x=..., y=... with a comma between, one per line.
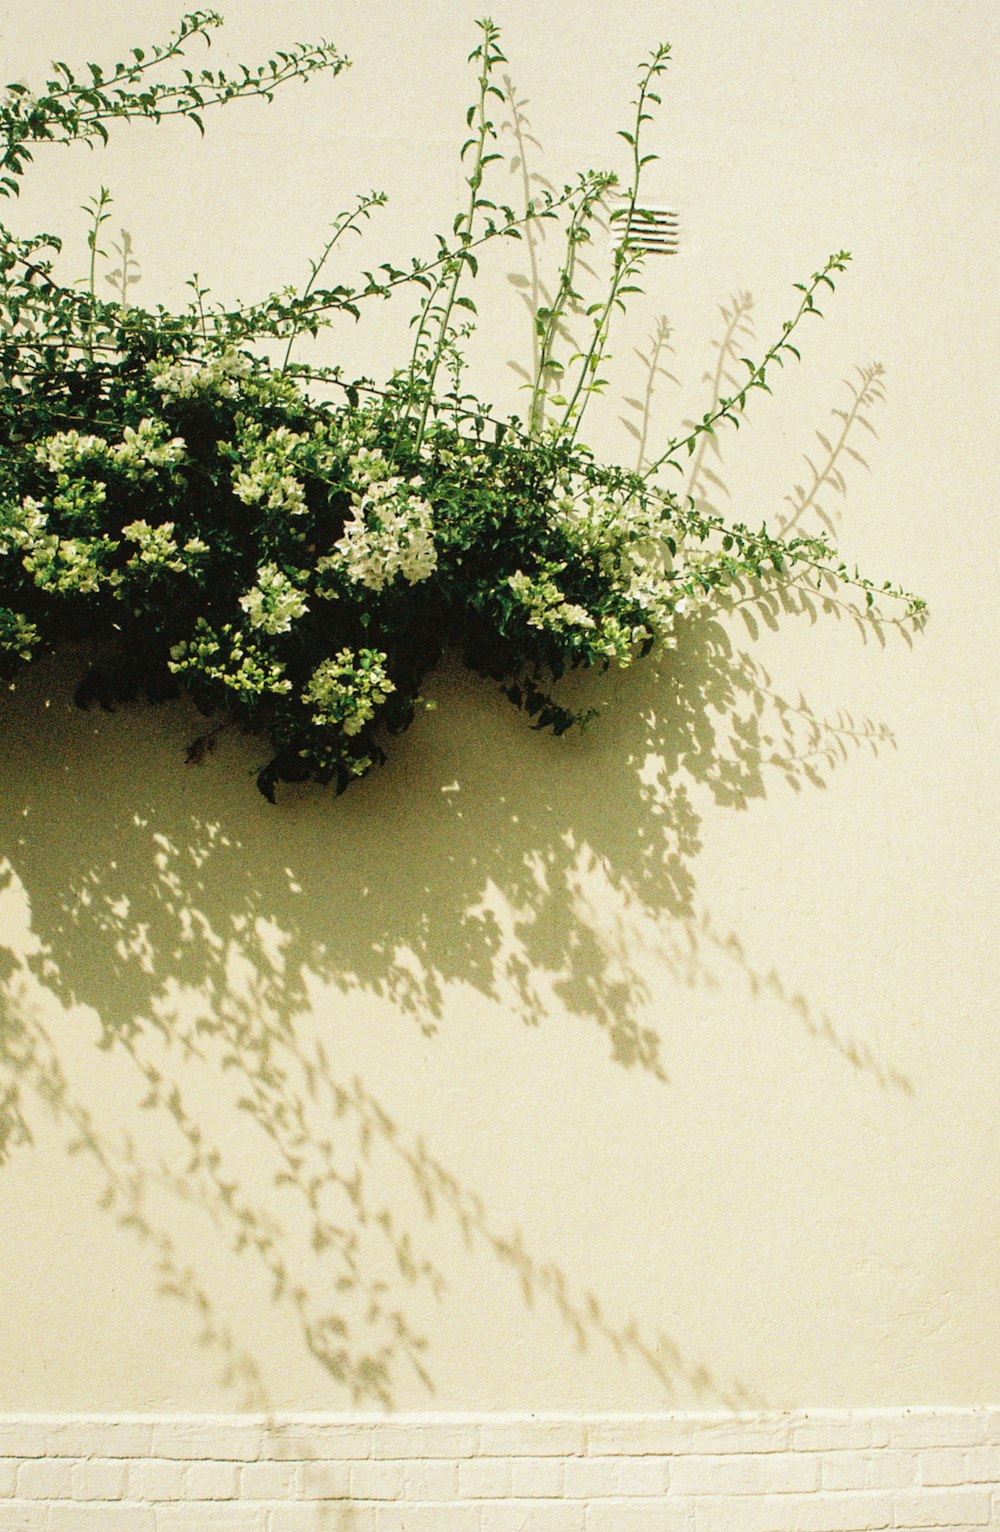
x=650, y=1068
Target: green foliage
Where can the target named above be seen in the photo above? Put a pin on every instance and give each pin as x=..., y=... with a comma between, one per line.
x=298, y=565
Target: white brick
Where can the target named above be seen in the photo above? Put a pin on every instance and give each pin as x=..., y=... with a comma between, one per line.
x=294, y=1517
x=938, y=1428
x=270, y=1481
x=426, y=1440
x=430, y=1479
x=531, y=1438
x=158, y=1479
x=377, y=1481
x=531, y=1516
x=741, y=1434
x=791, y=1472
x=41, y=1479
x=844, y=1470
x=100, y=1479
x=24, y=1516
x=8, y=1475
x=892, y=1468
x=427, y=1518
x=643, y=1476
x=836, y=1430
x=57, y=1436
x=198, y=1518
x=942, y=1465
x=364, y=1518
x=636, y=1516
x=99, y=1518
x=942, y=1507
x=197, y=1440
x=730, y=1475
x=641, y=1515
x=787, y=1513
x=212, y=1481
x=22, y=1439
x=976, y=1465
x=590, y=1478
x=536, y=1478
x=754, y=1473
x=299, y=1443
x=326, y=1481
x=110, y=1438
x=614, y=1437
x=485, y=1479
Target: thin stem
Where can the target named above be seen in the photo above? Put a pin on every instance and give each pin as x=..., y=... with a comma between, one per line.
x=551, y=318
x=728, y=409
x=489, y=54
x=341, y=226
x=252, y=318
x=98, y=208
x=627, y=260
x=518, y=126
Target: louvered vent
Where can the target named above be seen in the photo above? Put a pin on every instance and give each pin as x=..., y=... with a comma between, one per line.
x=655, y=230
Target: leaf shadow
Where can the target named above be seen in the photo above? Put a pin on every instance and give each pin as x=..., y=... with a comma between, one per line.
x=206, y=933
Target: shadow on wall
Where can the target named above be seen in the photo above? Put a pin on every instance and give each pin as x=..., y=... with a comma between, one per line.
x=200, y=924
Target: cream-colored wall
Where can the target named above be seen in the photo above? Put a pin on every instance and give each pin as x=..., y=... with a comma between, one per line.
x=655, y=1066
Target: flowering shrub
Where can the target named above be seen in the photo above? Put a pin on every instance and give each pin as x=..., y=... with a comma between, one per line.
x=298, y=563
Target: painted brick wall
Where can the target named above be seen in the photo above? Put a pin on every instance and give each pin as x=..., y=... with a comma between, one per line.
x=815, y=1471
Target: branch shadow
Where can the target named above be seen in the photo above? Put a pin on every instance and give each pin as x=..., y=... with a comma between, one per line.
x=826, y=469
x=200, y=928
x=639, y=420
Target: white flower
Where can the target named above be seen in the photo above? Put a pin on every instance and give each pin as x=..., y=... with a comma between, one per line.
x=390, y=533
x=267, y=477
x=230, y=658
x=146, y=447
x=347, y=689
x=274, y=602
x=221, y=376
x=545, y=603
x=68, y=448
x=156, y=545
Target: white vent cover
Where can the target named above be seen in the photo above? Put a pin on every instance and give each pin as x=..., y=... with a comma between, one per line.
x=653, y=230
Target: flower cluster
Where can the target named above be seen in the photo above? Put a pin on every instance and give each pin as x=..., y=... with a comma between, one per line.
x=56, y=565
x=68, y=449
x=266, y=476
x=274, y=602
x=543, y=602
x=157, y=547
x=391, y=529
x=17, y=635
x=221, y=376
x=142, y=449
x=348, y=689
x=231, y=659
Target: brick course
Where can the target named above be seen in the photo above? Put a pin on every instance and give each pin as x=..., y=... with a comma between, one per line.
x=808, y=1471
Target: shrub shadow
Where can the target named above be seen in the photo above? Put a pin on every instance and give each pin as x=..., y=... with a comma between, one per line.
x=195, y=922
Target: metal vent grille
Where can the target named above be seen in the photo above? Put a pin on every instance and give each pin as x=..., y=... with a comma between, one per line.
x=653, y=230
